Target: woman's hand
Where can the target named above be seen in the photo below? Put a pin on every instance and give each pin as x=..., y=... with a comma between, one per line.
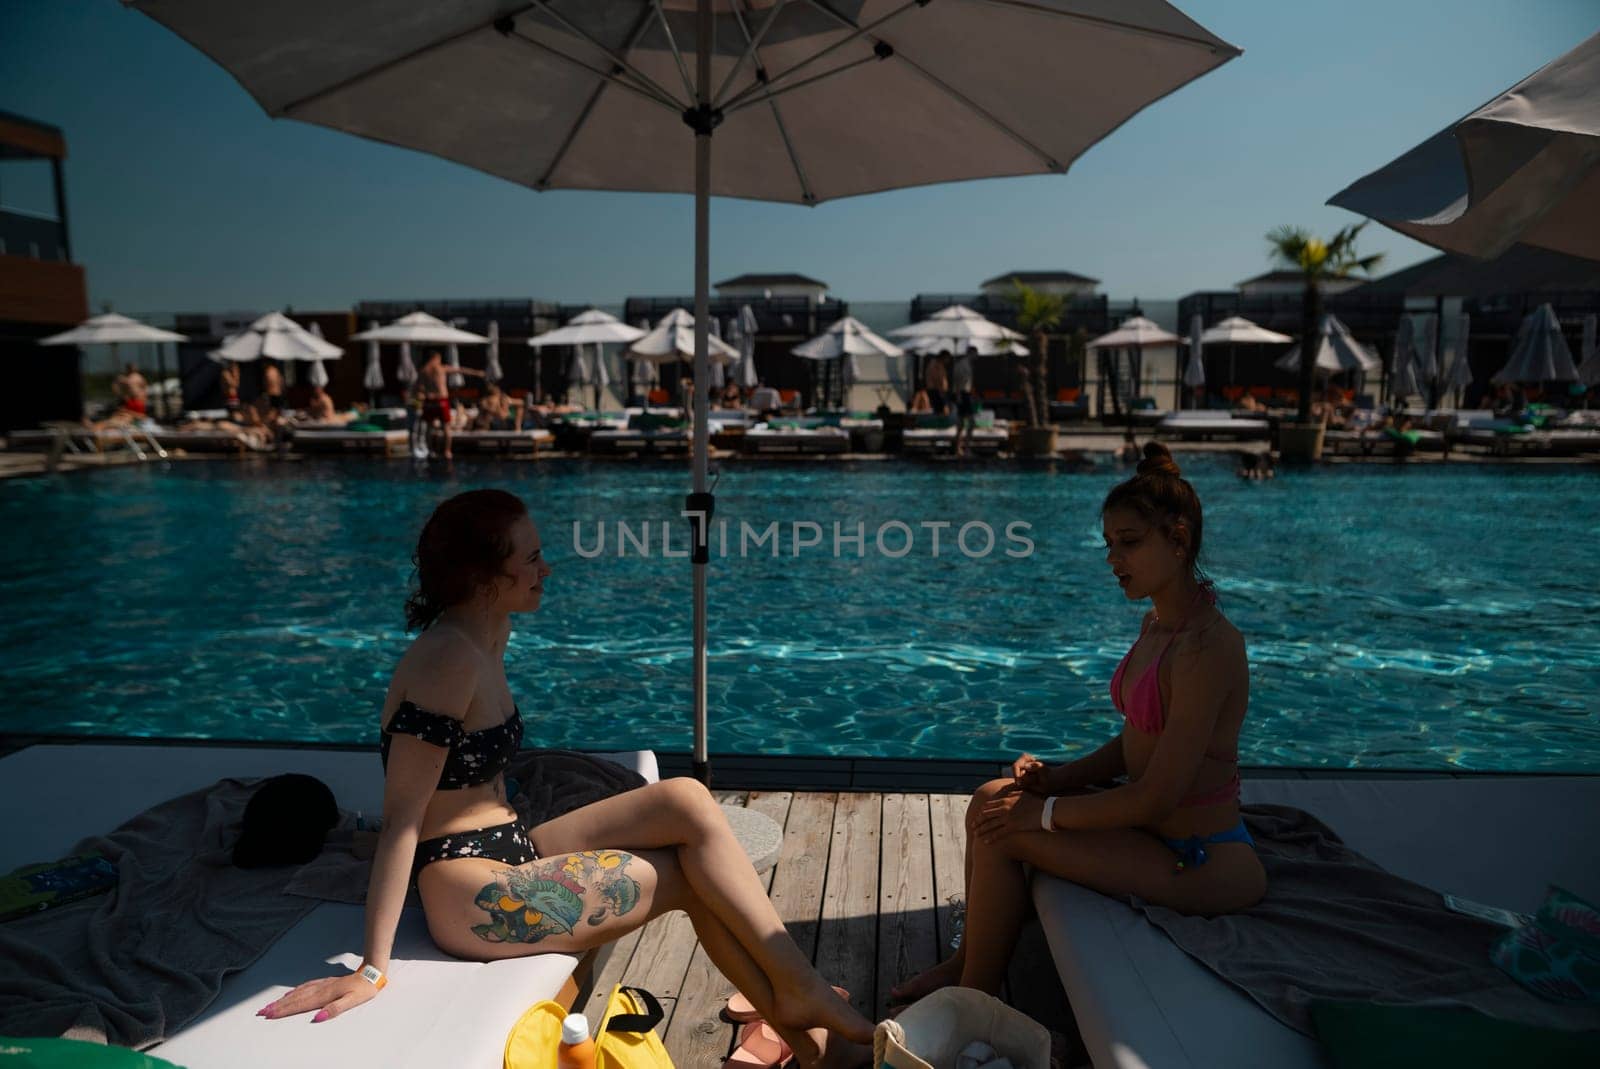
x=1031, y=774
x=1007, y=813
x=330, y=997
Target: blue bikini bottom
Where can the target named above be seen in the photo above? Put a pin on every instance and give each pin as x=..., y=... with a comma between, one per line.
x=1192, y=852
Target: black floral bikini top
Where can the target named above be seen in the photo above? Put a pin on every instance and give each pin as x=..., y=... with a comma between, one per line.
x=476, y=757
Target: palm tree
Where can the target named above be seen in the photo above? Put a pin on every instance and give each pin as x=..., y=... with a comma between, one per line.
x=1037, y=315
x=1319, y=261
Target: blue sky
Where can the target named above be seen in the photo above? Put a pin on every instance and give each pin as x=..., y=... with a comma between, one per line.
x=185, y=197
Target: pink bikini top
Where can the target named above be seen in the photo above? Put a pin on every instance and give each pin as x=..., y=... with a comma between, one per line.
x=1147, y=715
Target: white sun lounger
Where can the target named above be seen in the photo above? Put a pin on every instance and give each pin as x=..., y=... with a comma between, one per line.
x=1201, y=424
x=439, y=1011
x=1141, y=1003
x=527, y=440
x=765, y=438
x=391, y=443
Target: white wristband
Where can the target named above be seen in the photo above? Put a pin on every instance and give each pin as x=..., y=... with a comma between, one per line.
x=1047, y=817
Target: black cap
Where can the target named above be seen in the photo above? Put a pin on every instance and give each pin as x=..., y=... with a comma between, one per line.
x=285, y=822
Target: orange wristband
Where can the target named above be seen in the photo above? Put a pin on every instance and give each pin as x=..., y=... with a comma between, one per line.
x=373, y=975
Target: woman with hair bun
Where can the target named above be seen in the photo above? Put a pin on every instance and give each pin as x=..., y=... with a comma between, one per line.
x=1171, y=834
x=491, y=888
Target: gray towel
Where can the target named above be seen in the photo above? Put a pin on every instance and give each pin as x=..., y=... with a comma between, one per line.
x=133, y=965
x=1336, y=926
x=549, y=783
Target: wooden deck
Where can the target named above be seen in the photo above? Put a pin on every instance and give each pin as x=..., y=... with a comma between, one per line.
x=865, y=883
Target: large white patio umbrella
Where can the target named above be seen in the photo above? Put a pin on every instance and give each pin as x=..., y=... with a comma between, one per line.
x=114, y=330
x=276, y=337
x=1540, y=352
x=590, y=327
x=1525, y=167
x=423, y=329
x=810, y=101
x=674, y=340
x=844, y=341
x=1336, y=351
x=1235, y=331
x=958, y=329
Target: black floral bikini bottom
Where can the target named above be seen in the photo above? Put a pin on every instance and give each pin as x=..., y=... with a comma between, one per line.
x=504, y=842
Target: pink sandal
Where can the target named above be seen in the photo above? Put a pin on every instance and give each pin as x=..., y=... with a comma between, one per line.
x=759, y=1048
x=740, y=1010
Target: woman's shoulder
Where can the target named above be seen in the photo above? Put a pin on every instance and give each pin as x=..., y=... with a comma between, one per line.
x=1211, y=639
x=438, y=660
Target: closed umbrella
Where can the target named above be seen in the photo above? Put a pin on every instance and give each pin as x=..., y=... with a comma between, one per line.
x=717, y=379
x=807, y=102
x=421, y=328
x=1424, y=345
x=319, y=374
x=1525, y=167
x=372, y=378
x=1194, y=376
x=1589, y=369
x=406, y=372
x=1540, y=353
x=452, y=357
x=491, y=367
x=1403, y=378
x=1457, y=371
x=745, y=374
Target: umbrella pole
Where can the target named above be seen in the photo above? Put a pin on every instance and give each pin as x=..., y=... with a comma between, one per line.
x=700, y=502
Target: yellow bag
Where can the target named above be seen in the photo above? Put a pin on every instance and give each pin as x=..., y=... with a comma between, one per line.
x=933, y=1030
x=626, y=1038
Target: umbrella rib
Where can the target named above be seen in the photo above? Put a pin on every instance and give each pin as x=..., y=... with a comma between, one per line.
x=806, y=193
x=750, y=48
x=672, y=43
x=311, y=98
x=856, y=31
x=621, y=61
x=606, y=76
x=987, y=116
x=588, y=107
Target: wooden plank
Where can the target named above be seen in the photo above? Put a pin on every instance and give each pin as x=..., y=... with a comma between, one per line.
x=907, y=935
x=948, y=819
x=662, y=957
x=696, y=1034
x=802, y=869
x=847, y=941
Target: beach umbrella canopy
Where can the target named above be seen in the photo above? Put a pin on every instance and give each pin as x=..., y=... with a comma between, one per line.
x=1336, y=351
x=806, y=102
x=957, y=328
x=672, y=341
x=1540, y=353
x=592, y=327
x=1403, y=378
x=111, y=329
x=372, y=378
x=1525, y=167
x=1457, y=371
x=319, y=374
x=718, y=377
x=491, y=367
x=1136, y=332
x=1589, y=369
x=1237, y=330
x=846, y=337
x=421, y=328
x=1195, y=374
x=276, y=337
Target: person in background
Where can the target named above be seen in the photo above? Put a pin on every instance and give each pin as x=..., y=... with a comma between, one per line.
x=732, y=396
x=936, y=380
x=966, y=402
x=130, y=389
x=320, y=408
x=272, y=384
x=765, y=400
x=920, y=402
x=230, y=385
x=433, y=385
x=495, y=411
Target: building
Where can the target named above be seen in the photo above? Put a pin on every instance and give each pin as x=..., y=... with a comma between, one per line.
x=1292, y=283
x=42, y=292
x=779, y=285
x=1054, y=283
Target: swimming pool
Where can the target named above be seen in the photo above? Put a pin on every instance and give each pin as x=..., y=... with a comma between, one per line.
x=1424, y=618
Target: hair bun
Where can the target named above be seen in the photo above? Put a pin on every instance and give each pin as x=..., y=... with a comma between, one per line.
x=1158, y=461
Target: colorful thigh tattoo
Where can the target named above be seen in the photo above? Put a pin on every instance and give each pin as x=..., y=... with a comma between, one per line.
x=546, y=897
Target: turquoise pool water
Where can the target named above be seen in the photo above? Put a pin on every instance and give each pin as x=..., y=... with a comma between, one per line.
x=1423, y=618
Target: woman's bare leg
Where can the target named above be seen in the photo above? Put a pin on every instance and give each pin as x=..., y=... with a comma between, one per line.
x=681, y=813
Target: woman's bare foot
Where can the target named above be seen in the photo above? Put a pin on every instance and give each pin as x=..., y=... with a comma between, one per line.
x=833, y=1052
x=945, y=974
x=818, y=1006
